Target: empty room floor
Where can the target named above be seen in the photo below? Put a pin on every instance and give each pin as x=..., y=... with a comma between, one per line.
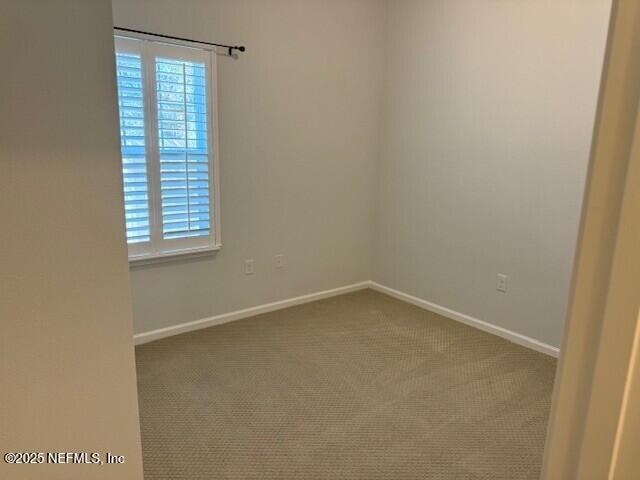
x=360, y=386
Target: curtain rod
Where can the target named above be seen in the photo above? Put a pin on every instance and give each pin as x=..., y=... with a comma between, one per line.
x=230, y=47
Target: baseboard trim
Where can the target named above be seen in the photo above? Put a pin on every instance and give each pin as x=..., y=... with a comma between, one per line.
x=147, y=337
x=514, y=337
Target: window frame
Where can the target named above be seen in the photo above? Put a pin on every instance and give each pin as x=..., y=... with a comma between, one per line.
x=149, y=48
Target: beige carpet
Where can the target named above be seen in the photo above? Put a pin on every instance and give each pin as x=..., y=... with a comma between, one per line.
x=360, y=386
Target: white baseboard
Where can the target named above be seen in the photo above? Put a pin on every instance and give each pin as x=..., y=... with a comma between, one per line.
x=514, y=337
x=146, y=337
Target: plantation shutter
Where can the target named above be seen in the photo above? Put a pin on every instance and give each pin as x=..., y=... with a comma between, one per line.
x=181, y=94
x=166, y=97
x=133, y=146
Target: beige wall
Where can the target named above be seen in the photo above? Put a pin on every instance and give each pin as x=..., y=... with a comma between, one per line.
x=67, y=378
x=298, y=146
x=488, y=115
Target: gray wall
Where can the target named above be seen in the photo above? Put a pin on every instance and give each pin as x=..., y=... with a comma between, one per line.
x=298, y=146
x=66, y=353
x=427, y=145
x=488, y=116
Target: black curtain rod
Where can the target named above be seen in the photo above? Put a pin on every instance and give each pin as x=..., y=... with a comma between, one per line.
x=230, y=47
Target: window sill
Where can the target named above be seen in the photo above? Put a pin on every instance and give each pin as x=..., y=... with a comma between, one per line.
x=173, y=256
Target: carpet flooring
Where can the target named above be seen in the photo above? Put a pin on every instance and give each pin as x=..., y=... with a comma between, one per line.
x=360, y=386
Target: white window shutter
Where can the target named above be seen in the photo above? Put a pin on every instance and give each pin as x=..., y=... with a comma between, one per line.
x=181, y=91
x=166, y=96
x=133, y=147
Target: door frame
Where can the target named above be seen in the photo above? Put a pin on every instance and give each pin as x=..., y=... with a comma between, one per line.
x=590, y=429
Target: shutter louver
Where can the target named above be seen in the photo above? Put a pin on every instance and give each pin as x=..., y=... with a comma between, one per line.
x=133, y=147
x=181, y=94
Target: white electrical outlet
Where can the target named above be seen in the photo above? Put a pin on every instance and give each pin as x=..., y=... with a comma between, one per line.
x=502, y=283
x=280, y=261
x=249, y=267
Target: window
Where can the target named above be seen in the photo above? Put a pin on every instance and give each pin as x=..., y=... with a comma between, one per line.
x=168, y=132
